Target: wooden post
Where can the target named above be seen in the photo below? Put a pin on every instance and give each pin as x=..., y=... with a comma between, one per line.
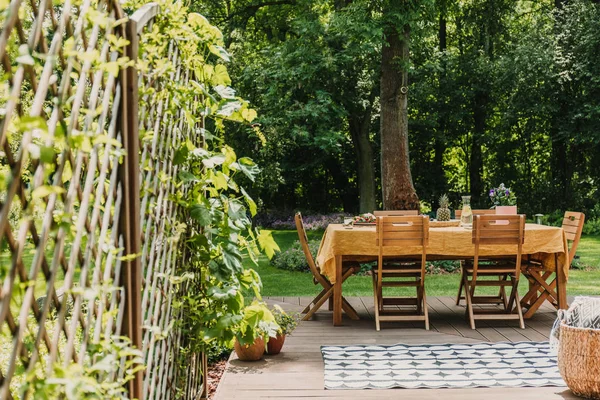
x=131, y=272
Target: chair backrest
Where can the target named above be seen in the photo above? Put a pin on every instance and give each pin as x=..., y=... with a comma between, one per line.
x=402, y=231
x=489, y=230
x=573, y=226
x=458, y=213
x=309, y=258
x=396, y=213
x=498, y=230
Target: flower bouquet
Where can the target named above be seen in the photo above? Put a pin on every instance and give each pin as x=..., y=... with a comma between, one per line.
x=504, y=200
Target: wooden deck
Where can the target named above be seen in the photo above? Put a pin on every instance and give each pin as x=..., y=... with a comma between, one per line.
x=298, y=371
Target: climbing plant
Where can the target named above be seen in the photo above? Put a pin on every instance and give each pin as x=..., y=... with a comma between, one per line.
x=215, y=285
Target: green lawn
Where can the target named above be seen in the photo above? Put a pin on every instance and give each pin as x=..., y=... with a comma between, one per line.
x=278, y=282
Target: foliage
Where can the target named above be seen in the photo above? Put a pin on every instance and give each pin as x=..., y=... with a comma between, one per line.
x=287, y=322
x=217, y=352
x=257, y=321
x=500, y=91
x=502, y=196
x=443, y=267
x=293, y=258
x=217, y=209
x=592, y=227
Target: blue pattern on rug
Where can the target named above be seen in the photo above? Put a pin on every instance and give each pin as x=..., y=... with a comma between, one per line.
x=520, y=364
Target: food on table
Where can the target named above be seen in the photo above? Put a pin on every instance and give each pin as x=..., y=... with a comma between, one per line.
x=367, y=218
x=443, y=213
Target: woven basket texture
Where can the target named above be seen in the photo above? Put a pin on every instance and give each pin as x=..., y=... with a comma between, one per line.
x=579, y=360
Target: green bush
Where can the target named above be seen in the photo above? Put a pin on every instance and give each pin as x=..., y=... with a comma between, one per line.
x=216, y=352
x=293, y=259
x=591, y=227
x=443, y=267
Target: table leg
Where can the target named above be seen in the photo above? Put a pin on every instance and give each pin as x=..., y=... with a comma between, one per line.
x=337, y=292
x=561, y=285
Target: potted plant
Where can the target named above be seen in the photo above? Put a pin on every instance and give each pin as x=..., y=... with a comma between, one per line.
x=504, y=200
x=255, y=328
x=287, y=323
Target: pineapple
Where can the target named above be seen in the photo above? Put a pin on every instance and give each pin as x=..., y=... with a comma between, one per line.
x=443, y=213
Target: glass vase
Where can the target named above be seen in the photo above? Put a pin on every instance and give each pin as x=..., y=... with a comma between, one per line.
x=466, y=217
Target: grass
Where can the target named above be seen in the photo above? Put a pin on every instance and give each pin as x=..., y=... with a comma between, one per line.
x=277, y=282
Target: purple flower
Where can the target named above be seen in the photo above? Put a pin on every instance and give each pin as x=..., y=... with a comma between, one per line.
x=507, y=192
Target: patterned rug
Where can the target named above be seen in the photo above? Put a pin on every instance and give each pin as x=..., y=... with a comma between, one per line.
x=440, y=366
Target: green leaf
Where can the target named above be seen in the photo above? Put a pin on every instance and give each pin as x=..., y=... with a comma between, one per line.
x=211, y=162
x=219, y=52
x=250, y=202
x=181, y=154
x=248, y=167
x=267, y=243
x=220, y=181
x=232, y=258
x=47, y=154
x=236, y=210
x=46, y=190
x=225, y=91
x=187, y=177
x=200, y=213
x=220, y=76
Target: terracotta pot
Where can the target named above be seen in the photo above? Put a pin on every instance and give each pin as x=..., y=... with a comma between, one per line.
x=252, y=352
x=506, y=210
x=275, y=344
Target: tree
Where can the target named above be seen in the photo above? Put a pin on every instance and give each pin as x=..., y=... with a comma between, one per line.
x=397, y=183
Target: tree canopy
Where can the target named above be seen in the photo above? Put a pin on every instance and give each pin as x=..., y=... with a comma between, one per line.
x=499, y=91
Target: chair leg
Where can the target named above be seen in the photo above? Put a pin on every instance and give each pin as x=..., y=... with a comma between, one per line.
x=426, y=312
x=318, y=304
x=460, y=287
x=331, y=304
x=315, y=300
x=376, y=301
x=469, y=301
x=519, y=309
x=502, y=292
x=419, y=297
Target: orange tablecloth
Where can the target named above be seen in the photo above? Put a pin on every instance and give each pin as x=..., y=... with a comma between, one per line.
x=542, y=243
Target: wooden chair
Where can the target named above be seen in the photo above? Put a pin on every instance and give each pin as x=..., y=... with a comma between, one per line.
x=495, y=230
x=401, y=231
x=395, y=213
x=349, y=268
x=540, y=289
x=458, y=213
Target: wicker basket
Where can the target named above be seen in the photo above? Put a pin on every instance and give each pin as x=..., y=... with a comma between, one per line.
x=579, y=360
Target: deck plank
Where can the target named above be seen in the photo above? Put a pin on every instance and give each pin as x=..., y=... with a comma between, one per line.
x=297, y=373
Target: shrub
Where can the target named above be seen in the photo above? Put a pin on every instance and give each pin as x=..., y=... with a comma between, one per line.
x=216, y=352
x=293, y=259
x=591, y=227
x=443, y=267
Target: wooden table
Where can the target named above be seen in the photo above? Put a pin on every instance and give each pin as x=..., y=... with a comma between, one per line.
x=546, y=244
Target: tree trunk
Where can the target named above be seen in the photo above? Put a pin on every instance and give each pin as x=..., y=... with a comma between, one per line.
x=398, y=189
x=359, y=130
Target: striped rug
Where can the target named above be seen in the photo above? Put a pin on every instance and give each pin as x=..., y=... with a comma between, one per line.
x=440, y=366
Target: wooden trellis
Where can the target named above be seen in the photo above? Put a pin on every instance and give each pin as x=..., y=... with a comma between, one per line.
x=85, y=221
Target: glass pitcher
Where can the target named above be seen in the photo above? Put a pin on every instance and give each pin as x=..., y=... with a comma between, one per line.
x=466, y=218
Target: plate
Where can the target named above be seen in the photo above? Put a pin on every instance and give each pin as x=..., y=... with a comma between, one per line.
x=365, y=223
